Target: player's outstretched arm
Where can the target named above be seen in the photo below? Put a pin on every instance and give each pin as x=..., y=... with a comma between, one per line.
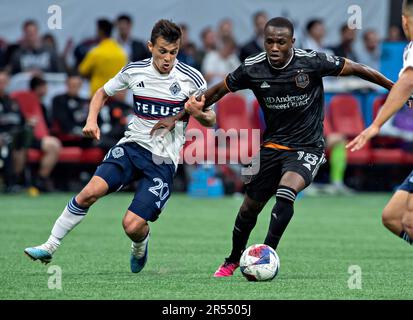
x=362, y=71
x=195, y=105
x=91, y=129
x=397, y=97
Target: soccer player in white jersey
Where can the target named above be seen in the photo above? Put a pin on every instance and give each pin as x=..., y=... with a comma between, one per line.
x=160, y=85
x=397, y=216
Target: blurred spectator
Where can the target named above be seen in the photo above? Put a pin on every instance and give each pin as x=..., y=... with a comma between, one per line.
x=15, y=138
x=49, y=41
x=370, y=53
x=218, y=63
x=209, y=43
x=83, y=48
x=395, y=34
x=3, y=50
x=39, y=87
x=336, y=147
x=31, y=55
x=135, y=49
x=115, y=115
x=69, y=114
x=345, y=47
x=314, y=39
x=187, y=52
x=256, y=44
x=225, y=30
x=105, y=60
x=50, y=146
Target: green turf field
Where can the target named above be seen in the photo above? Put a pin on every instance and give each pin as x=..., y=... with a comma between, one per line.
x=189, y=241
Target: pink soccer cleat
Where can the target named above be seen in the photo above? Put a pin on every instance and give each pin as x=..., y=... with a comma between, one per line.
x=226, y=269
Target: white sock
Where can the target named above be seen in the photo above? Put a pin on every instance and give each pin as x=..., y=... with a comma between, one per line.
x=138, y=248
x=71, y=216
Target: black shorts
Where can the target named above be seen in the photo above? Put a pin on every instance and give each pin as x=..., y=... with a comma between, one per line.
x=407, y=184
x=36, y=144
x=268, y=166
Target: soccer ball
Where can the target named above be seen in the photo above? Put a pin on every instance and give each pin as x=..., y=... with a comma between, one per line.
x=259, y=262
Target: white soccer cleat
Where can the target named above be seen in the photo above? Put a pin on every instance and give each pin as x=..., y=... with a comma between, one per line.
x=43, y=253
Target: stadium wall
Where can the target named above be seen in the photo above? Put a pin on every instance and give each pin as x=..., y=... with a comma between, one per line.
x=78, y=18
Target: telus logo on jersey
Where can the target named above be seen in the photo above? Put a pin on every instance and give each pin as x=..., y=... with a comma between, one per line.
x=154, y=108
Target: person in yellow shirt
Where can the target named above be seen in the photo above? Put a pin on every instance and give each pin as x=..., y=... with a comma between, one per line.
x=105, y=60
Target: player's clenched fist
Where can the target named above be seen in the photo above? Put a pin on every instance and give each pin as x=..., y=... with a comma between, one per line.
x=91, y=130
x=195, y=105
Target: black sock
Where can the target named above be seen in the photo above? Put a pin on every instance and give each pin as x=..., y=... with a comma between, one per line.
x=281, y=215
x=406, y=237
x=240, y=234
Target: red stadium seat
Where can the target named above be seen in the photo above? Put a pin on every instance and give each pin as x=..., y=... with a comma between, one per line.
x=91, y=155
x=67, y=154
x=233, y=118
x=347, y=119
x=199, y=139
x=383, y=141
x=327, y=126
x=30, y=107
x=232, y=113
x=345, y=115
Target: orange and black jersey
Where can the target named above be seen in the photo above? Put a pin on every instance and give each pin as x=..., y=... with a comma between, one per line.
x=292, y=97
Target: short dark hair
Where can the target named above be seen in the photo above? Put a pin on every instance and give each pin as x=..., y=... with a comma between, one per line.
x=105, y=26
x=205, y=31
x=29, y=22
x=407, y=7
x=166, y=29
x=72, y=73
x=258, y=14
x=344, y=28
x=36, y=82
x=280, y=22
x=125, y=17
x=312, y=23
x=4, y=70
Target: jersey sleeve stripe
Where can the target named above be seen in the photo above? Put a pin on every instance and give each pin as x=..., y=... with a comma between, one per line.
x=197, y=82
x=226, y=84
x=193, y=72
x=344, y=64
x=136, y=65
x=253, y=58
x=250, y=63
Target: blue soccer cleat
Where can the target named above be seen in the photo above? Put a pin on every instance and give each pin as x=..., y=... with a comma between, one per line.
x=139, y=255
x=41, y=253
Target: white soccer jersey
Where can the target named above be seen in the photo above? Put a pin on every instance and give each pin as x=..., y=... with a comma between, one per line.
x=156, y=96
x=407, y=57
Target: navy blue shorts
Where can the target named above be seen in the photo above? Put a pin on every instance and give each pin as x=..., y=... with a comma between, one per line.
x=407, y=184
x=130, y=162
